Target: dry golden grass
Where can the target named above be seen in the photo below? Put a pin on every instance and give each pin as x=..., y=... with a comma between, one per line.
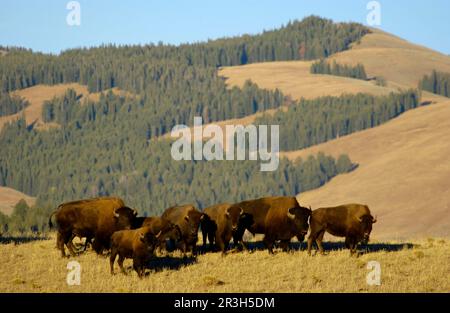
x=398, y=61
x=425, y=267
x=9, y=198
x=294, y=78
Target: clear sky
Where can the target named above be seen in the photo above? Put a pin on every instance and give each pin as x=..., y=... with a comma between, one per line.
x=41, y=25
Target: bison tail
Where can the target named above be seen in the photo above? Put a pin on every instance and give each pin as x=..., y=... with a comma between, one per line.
x=50, y=224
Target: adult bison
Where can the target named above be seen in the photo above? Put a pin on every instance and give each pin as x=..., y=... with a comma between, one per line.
x=169, y=230
x=188, y=219
x=352, y=221
x=137, y=244
x=96, y=218
x=278, y=218
x=222, y=223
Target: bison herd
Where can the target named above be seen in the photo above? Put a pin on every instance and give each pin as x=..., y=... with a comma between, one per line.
x=108, y=224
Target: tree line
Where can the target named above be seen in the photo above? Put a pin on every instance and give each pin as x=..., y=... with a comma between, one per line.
x=436, y=82
x=311, y=122
x=11, y=104
x=134, y=67
x=324, y=67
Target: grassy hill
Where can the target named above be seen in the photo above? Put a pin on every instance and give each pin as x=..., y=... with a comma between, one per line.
x=10, y=197
x=403, y=169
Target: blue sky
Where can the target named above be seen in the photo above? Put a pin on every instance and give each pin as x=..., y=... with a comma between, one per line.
x=41, y=25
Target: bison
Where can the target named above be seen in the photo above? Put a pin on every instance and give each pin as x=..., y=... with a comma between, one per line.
x=137, y=244
x=352, y=221
x=96, y=218
x=169, y=230
x=188, y=219
x=221, y=225
x=278, y=218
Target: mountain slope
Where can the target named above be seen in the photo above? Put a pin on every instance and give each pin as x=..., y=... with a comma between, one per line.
x=10, y=197
x=403, y=173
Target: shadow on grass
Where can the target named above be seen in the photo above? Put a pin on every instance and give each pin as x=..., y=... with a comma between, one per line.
x=17, y=240
x=158, y=264
x=335, y=246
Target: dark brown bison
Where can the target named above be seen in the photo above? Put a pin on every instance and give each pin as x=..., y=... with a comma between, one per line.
x=352, y=221
x=137, y=244
x=222, y=223
x=96, y=218
x=278, y=218
x=188, y=219
x=169, y=230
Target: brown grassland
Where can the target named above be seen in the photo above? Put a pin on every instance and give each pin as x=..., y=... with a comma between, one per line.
x=420, y=266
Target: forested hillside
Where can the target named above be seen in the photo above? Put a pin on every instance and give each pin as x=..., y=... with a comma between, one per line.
x=311, y=122
x=11, y=105
x=110, y=147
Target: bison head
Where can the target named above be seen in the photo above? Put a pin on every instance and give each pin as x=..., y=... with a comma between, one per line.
x=300, y=216
x=172, y=231
x=148, y=238
x=193, y=219
x=365, y=225
x=124, y=218
x=233, y=215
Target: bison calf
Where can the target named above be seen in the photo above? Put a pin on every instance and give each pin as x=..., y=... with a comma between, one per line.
x=169, y=231
x=352, y=221
x=137, y=244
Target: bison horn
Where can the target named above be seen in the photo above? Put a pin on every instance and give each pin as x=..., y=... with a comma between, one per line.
x=115, y=213
x=227, y=213
x=290, y=215
x=374, y=220
x=135, y=212
x=360, y=219
x=310, y=209
x=159, y=234
x=241, y=212
x=186, y=218
x=141, y=236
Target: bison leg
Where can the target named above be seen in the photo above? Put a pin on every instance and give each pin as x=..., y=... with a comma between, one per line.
x=284, y=244
x=221, y=244
x=112, y=259
x=71, y=246
x=138, y=267
x=60, y=244
x=311, y=239
x=319, y=242
x=268, y=242
x=120, y=262
x=204, y=236
x=212, y=241
x=352, y=244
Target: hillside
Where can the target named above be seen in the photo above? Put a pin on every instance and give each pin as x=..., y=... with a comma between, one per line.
x=419, y=266
x=403, y=172
x=38, y=94
x=397, y=60
x=10, y=197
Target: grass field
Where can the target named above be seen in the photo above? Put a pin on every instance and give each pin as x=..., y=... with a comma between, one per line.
x=420, y=266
